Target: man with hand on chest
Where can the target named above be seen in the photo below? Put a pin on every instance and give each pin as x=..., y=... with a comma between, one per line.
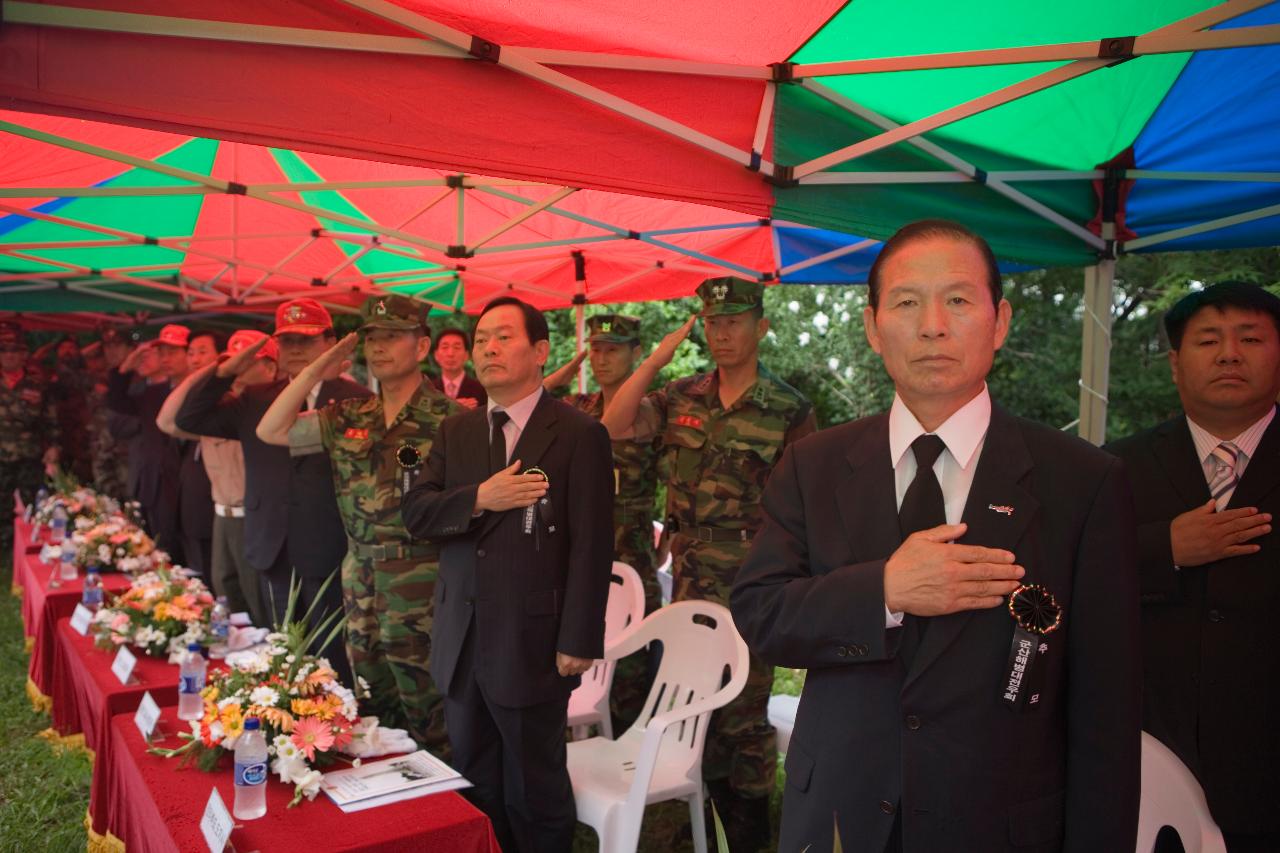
x=961, y=585
x=377, y=445
x=518, y=494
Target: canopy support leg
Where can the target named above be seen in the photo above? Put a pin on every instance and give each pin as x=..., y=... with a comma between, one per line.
x=1095, y=356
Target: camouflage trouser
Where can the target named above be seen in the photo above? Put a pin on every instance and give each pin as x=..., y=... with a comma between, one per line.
x=389, y=608
x=632, y=677
x=24, y=475
x=741, y=745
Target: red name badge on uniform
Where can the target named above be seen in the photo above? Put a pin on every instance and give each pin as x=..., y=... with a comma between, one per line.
x=357, y=434
x=689, y=421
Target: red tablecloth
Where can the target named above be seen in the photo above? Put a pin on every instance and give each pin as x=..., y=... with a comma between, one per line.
x=86, y=695
x=155, y=806
x=43, y=606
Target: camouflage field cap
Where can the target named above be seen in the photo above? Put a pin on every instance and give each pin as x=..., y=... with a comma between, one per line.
x=729, y=295
x=393, y=312
x=613, y=329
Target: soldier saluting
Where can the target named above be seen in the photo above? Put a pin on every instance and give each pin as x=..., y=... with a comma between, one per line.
x=376, y=446
x=721, y=434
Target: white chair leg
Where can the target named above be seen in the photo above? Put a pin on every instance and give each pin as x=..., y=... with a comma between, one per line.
x=606, y=721
x=697, y=823
x=581, y=732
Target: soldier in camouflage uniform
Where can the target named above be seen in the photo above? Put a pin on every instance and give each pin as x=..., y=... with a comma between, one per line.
x=109, y=433
x=721, y=434
x=376, y=446
x=614, y=349
x=28, y=422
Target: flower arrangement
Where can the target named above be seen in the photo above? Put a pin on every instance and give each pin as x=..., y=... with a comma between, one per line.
x=160, y=614
x=83, y=505
x=306, y=714
x=117, y=543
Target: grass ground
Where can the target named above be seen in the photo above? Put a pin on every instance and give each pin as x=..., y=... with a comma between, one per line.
x=44, y=791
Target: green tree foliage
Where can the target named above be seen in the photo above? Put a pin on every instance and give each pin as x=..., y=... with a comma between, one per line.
x=817, y=343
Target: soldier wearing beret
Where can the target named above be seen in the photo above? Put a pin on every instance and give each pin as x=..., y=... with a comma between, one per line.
x=721, y=434
x=377, y=446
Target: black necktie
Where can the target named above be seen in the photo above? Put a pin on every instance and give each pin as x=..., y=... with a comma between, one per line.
x=922, y=508
x=498, y=441
x=922, y=505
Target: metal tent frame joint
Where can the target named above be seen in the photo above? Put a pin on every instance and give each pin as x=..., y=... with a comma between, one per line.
x=1119, y=48
x=484, y=50
x=782, y=72
x=783, y=177
x=236, y=188
x=580, y=299
x=456, y=251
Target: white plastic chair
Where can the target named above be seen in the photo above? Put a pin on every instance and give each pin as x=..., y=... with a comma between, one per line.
x=589, y=703
x=782, y=716
x=660, y=757
x=1171, y=796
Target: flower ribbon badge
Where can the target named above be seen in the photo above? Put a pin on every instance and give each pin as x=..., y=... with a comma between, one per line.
x=1036, y=614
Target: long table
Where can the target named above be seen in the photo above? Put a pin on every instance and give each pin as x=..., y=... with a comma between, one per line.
x=42, y=606
x=168, y=820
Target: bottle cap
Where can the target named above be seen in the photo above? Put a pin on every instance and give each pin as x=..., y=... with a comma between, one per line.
x=251, y=724
x=193, y=647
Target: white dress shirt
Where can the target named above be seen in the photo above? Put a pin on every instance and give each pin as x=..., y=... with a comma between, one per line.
x=1246, y=442
x=519, y=413
x=963, y=434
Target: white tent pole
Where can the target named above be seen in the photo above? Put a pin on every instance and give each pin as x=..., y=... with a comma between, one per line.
x=1212, y=225
x=1095, y=355
x=537, y=208
x=827, y=256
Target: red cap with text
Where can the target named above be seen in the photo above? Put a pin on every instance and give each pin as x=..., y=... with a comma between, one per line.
x=245, y=338
x=174, y=335
x=302, y=317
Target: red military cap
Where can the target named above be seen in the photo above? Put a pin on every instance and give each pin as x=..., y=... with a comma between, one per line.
x=245, y=338
x=174, y=335
x=302, y=317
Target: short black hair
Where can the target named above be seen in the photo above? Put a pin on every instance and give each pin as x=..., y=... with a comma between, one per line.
x=219, y=342
x=535, y=325
x=454, y=331
x=1224, y=294
x=929, y=229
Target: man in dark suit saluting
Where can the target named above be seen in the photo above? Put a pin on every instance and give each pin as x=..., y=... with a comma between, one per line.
x=1206, y=487
x=518, y=494
x=936, y=715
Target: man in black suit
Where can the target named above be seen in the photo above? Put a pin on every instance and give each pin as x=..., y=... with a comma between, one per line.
x=136, y=389
x=450, y=352
x=291, y=522
x=519, y=496
x=1206, y=486
x=935, y=717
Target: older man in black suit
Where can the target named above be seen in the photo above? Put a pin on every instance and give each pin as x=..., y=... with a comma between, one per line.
x=519, y=496
x=937, y=714
x=1207, y=484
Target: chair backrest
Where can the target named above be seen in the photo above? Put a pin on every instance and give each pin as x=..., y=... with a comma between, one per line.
x=1171, y=796
x=702, y=653
x=624, y=609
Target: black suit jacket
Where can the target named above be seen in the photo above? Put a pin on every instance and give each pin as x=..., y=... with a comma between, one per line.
x=935, y=739
x=154, y=457
x=287, y=499
x=529, y=599
x=1211, y=680
x=470, y=387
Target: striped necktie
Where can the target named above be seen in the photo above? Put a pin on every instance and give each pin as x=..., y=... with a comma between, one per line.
x=1225, y=456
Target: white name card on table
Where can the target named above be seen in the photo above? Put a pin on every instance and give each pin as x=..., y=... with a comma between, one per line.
x=123, y=665
x=216, y=823
x=147, y=715
x=80, y=620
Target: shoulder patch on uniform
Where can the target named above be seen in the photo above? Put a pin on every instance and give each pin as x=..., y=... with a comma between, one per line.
x=356, y=434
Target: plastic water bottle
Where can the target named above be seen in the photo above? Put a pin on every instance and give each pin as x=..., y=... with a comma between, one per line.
x=93, y=591
x=251, y=772
x=67, y=570
x=58, y=527
x=220, y=620
x=190, y=683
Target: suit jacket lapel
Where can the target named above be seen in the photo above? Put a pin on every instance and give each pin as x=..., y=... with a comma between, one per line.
x=1263, y=473
x=997, y=513
x=866, y=497
x=1176, y=453
x=535, y=438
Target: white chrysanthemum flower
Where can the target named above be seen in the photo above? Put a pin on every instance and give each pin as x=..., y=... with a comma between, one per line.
x=264, y=696
x=281, y=741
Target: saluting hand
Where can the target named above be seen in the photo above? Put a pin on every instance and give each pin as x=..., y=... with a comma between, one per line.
x=336, y=358
x=508, y=490
x=931, y=575
x=1200, y=535
x=666, y=348
x=130, y=362
x=240, y=362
